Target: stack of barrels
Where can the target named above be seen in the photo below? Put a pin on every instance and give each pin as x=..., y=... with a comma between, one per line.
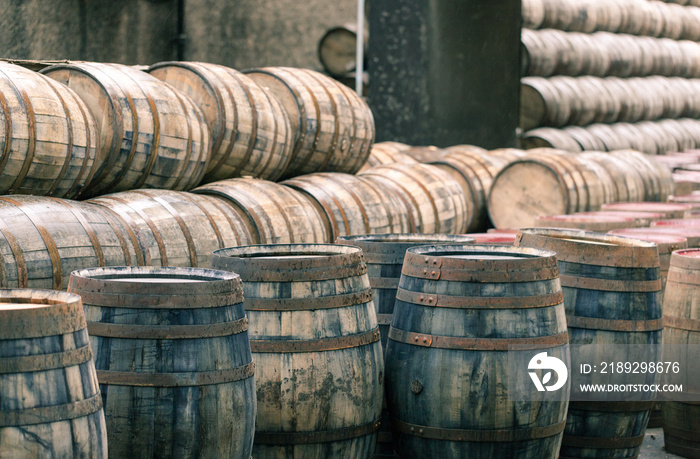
x=610, y=75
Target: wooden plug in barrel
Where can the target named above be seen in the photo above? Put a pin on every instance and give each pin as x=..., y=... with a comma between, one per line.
x=173, y=360
x=150, y=135
x=175, y=228
x=681, y=420
x=50, y=404
x=612, y=295
x=353, y=205
x=250, y=132
x=48, y=137
x=458, y=308
x=334, y=127
x=273, y=213
x=43, y=239
x=315, y=340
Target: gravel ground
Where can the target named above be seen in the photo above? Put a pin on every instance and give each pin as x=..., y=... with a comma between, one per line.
x=653, y=446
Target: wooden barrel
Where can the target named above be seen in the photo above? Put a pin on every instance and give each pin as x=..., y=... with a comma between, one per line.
x=681, y=420
x=150, y=135
x=434, y=200
x=549, y=138
x=173, y=360
x=452, y=321
x=612, y=295
x=600, y=223
x=643, y=219
x=334, y=126
x=490, y=238
x=43, y=239
x=692, y=235
x=352, y=205
x=250, y=131
x=273, y=213
x=532, y=13
x=175, y=228
x=337, y=49
x=425, y=154
x=385, y=155
x=670, y=209
x=314, y=337
x=48, y=137
x=50, y=404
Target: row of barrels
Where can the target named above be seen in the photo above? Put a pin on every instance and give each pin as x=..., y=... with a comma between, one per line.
x=83, y=129
x=651, y=137
x=554, y=52
x=634, y=17
x=551, y=182
x=564, y=101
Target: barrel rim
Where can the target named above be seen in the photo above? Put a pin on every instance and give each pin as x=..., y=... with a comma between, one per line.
x=44, y=297
x=367, y=241
x=307, y=253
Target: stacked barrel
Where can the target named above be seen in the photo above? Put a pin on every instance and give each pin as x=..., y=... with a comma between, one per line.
x=610, y=75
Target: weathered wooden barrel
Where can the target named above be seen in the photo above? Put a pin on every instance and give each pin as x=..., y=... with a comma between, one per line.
x=175, y=228
x=386, y=153
x=644, y=219
x=434, y=200
x=687, y=222
x=48, y=137
x=681, y=420
x=337, y=49
x=425, y=154
x=50, y=404
x=612, y=295
x=457, y=309
x=173, y=360
x=250, y=131
x=315, y=340
x=490, y=238
x=692, y=235
x=533, y=13
x=600, y=223
x=546, y=137
x=43, y=239
x=273, y=213
x=334, y=126
x=150, y=135
x=670, y=209
x=352, y=205
x=692, y=199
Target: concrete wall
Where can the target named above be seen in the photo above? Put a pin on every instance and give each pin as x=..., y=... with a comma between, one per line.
x=237, y=33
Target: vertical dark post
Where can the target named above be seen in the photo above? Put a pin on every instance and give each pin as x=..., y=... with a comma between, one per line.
x=445, y=72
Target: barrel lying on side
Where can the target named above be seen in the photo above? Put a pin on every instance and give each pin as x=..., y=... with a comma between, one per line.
x=50, y=404
x=173, y=360
x=315, y=340
x=458, y=308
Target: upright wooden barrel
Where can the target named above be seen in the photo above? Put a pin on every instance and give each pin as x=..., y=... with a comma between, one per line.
x=681, y=420
x=498, y=239
x=43, y=239
x=272, y=212
x=175, y=228
x=692, y=235
x=352, y=204
x=250, y=132
x=315, y=340
x=458, y=308
x=48, y=137
x=599, y=222
x=334, y=126
x=50, y=404
x=670, y=209
x=173, y=360
x=150, y=135
x=612, y=295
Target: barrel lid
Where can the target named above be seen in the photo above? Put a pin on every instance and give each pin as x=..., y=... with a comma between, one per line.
x=586, y=218
x=686, y=259
x=684, y=198
x=692, y=222
x=647, y=206
x=494, y=238
x=630, y=214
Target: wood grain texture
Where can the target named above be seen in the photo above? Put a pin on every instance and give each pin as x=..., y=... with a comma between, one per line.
x=48, y=137
x=334, y=126
x=594, y=257
x=50, y=401
x=176, y=228
x=146, y=338
x=250, y=132
x=308, y=389
x=151, y=135
x=273, y=213
x=434, y=200
x=461, y=387
x=43, y=239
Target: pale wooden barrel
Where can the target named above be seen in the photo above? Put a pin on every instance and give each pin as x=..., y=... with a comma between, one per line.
x=598, y=223
x=337, y=49
x=273, y=213
x=150, y=135
x=434, y=200
x=334, y=126
x=533, y=13
x=315, y=339
x=352, y=205
x=546, y=137
x=249, y=129
x=48, y=137
x=43, y=239
x=50, y=403
x=175, y=228
x=173, y=360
